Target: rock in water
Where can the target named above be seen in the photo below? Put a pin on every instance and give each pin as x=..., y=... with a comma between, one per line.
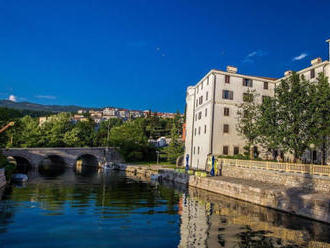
x=19, y=177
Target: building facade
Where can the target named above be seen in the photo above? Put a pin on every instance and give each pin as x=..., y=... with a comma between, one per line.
x=212, y=105
x=211, y=114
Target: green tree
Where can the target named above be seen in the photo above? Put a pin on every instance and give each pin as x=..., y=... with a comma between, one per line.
x=294, y=115
x=54, y=130
x=101, y=136
x=320, y=114
x=25, y=133
x=175, y=148
x=131, y=140
x=82, y=134
x=248, y=114
x=267, y=125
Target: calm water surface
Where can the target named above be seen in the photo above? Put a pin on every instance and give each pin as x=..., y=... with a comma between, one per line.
x=89, y=208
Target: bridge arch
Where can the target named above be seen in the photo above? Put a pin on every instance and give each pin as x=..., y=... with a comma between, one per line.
x=23, y=165
x=86, y=159
x=52, y=165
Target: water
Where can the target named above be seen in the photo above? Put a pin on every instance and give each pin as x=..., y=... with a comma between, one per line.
x=89, y=208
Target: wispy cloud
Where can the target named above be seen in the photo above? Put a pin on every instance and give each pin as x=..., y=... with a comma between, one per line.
x=12, y=98
x=46, y=97
x=252, y=55
x=300, y=57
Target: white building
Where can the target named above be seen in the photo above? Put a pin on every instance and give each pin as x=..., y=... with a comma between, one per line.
x=211, y=110
x=211, y=114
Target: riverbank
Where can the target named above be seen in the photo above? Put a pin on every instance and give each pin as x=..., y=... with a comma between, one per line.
x=295, y=200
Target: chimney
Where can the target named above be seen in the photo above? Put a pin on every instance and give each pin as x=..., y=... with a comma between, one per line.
x=316, y=61
x=329, y=48
x=287, y=73
x=231, y=69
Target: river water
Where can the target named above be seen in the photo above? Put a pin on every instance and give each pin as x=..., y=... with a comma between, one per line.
x=91, y=208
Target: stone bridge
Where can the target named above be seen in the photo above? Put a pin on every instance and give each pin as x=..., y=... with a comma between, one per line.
x=96, y=156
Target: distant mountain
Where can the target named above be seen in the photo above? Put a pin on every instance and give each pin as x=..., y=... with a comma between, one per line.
x=40, y=107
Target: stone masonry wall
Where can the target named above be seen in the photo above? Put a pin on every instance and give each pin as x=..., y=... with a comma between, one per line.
x=289, y=180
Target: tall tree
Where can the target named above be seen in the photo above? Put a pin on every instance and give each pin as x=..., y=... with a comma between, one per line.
x=320, y=114
x=248, y=114
x=267, y=125
x=175, y=148
x=294, y=122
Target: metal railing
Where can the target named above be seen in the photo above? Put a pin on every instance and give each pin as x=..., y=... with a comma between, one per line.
x=312, y=169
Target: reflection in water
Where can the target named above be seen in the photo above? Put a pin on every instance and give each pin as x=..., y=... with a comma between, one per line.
x=90, y=208
x=52, y=167
x=211, y=220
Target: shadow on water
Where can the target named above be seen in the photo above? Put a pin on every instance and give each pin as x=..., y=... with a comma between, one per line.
x=52, y=167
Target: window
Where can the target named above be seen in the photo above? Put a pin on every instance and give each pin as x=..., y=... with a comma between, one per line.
x=247, y=82
x=226, y=111
x=225, y=150
x=196, y=102
x=195, y=131
x=200, y=100
x=199, y=130
x=194, y=150
x=236, y=150
x=313, y=73
x=265, y=85
x=205, y=112
x=264, y=98
x=207, y=96
x=247, y=97
x=204, y=128
x=225, y=128
x=227, y=94
x=227, y=79
x=200, y=115
x=198, y=150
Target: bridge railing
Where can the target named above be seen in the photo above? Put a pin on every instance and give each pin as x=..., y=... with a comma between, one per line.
x=312, y=169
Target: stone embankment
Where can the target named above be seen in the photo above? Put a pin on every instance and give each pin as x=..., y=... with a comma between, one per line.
x=311, y=200
x=2, y=178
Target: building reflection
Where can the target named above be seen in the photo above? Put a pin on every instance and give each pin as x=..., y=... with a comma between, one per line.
x=211, y=220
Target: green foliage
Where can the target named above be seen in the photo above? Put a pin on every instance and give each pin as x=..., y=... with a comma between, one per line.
x=61, y=131
x=320, y=114
x=293, y=114
x=9, y=167
x=297, y=116
x=101, y=136
x=132, y=141
x=248, y=115
x=175, y=148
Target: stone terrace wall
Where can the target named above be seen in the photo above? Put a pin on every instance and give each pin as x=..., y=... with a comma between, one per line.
x=287, y=179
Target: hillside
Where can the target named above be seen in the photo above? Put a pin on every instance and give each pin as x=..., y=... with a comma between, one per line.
x=39, y=107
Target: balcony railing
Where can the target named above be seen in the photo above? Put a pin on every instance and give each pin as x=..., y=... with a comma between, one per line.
x=312, y=169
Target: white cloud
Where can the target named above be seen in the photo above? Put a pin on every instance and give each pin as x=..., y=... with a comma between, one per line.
x=46, y=97
x=12, y=98
x=253, y=54
x=300, y=57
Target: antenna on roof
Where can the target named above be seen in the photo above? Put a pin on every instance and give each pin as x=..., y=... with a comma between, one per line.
x=329, y=48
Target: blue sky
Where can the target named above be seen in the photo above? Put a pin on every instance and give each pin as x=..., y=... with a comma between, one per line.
x=142, y=54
